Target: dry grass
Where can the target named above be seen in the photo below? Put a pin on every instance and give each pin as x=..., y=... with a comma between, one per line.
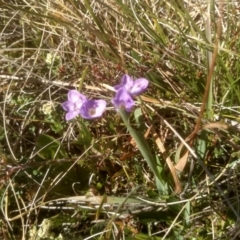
x=49, y=47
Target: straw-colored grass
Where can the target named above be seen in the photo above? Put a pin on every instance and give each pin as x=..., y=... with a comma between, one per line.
x=87, y=179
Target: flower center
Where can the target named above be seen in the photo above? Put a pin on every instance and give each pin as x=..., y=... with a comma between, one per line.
x=77, y=105
x=92, y=111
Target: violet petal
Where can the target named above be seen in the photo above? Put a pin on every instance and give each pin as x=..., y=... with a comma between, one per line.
x=139, y=86
x=123, y=100
x=126, y=82
x=73, y=105
x=68, y=106
x=71, y=115
x=93, y=109
x=75, y=96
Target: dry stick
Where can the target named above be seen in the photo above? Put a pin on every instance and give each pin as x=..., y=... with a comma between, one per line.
x=208, y=83
x=190, y=138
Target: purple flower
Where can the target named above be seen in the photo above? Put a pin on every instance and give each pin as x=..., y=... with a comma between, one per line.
x=92, y=109
x=123, y=100
x=126, y=90
x=134, y=88
x=74, y=104
x=78, y=104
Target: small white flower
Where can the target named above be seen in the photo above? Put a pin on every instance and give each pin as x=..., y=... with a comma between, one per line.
x=49, y=59
x=47, y=108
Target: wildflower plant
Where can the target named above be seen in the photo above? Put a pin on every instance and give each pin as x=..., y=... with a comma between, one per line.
x=123, y=102
x=78, y=105
x=126, y=90
x=134, y=88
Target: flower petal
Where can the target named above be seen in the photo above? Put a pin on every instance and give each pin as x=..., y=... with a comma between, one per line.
x=68, y=106
x=93, y=109
x=139, y=86
x=117, y=87
x=75, y=96
x=71, y=115
x=126, y=82
x=101, y=106
x=123, y=100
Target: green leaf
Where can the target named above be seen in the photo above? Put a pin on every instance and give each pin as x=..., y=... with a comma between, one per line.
x=145, y=150
x=202, y=144
x=139, y=117
x=95, y=18
x=135, y=55
x=187, y=213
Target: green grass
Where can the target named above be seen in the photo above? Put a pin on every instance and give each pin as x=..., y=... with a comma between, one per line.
x=103, y=179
